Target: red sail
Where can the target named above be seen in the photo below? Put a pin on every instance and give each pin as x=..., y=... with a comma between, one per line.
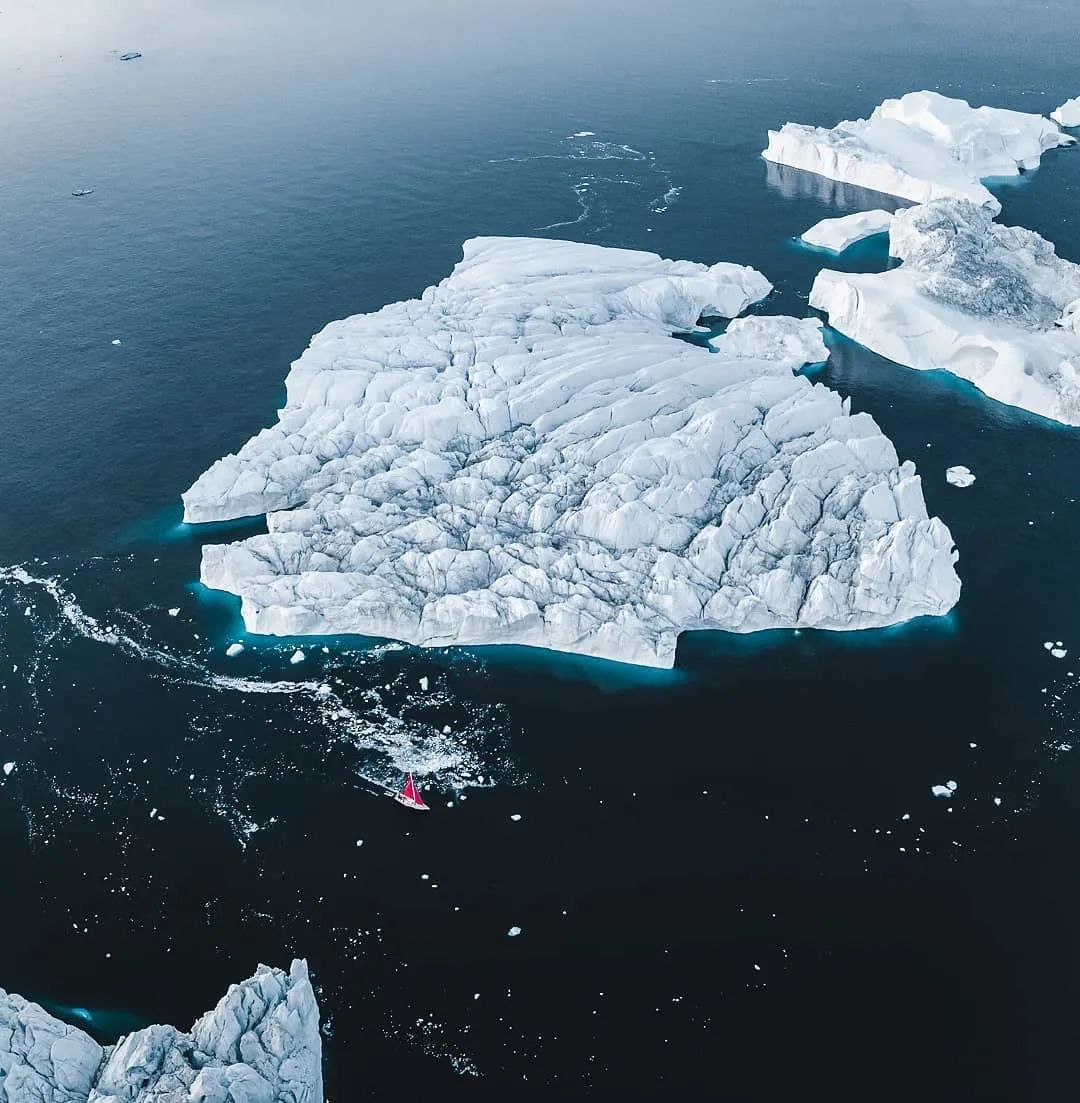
x=411, y=792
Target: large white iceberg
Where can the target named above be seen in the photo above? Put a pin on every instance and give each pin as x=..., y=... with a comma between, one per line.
x=921, y=147
x=992, y=304
x=838, y=234
x=1068, y=114
x=526, y=454
x=261, y=1044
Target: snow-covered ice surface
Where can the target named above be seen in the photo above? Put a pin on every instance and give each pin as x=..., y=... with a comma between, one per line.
x=992, y=304
x=922, y=146
x=838, y=234
x=1068, y=114
x=261, y=1044
x=526, y=455
x=959, y=475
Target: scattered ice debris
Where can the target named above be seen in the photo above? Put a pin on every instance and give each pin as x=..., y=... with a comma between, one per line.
x=838, y=234
x=8, y=768
x=234, y=649
x=923, y=146
x=131, y=55
x=175, y=612
x=1068, y=114
x=297, y=657
x=945, y=790
x=516, y=817
x=80, y=192
x=424, y=683
x=959, y=476
x=513, y=932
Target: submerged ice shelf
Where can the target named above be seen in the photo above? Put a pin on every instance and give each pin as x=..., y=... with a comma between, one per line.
x=992, y=304
x=921, y=147
x=526, y=454
x=261, y=1044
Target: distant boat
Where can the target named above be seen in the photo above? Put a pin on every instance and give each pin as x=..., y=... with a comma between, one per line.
x=131, y=55
x=410, y=796
x=80, y=192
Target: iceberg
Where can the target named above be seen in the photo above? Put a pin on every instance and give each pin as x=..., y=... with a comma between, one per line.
x=992, y=304
x=261, y=1044
x=959, y=476
x=923, y=146
x=1068, y=114
x=529, y=454
x=838, y=234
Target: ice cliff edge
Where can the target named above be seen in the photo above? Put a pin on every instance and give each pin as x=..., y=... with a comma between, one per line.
x=261, y=1044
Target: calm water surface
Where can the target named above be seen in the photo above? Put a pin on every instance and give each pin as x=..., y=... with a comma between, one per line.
x=731, y=878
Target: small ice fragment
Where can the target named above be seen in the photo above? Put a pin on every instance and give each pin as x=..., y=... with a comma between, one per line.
x=513, y=932
x=906, y=816
x=234, y=649
x=997, y=800
x=131, y=55
x=941, y=790
x=1058, y=652
x=476, y=995
x=757, y=968
x=959, y=476
x=516, y=816
x=297, y=657
x=1059, y=643
x=359, y=842
x=326, y=650
x=973, y=745
x=116, y=340
x=584, y=134
x=153, y=812
x=80, y=192
x=8, y=768
x=446, y=729
x=951, y=786
x=174, y=612
x=425, y=876
x=424, y=683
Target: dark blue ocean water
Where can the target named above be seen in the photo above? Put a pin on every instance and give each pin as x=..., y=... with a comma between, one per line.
x=731, y=878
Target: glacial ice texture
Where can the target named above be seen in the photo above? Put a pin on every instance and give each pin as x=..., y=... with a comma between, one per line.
x=921, y=147
x=525, y=454
x=992, y=304
x=261, y=1044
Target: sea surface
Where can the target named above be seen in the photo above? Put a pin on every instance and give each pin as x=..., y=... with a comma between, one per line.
x=731, y=879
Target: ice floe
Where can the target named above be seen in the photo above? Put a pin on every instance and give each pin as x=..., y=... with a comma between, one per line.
x=297, y=657
x=1068, y=114
x=261, y=1043
x=959, y=475
x=838, y=234
x=8, y=768
x=922, y=146
x=992, y=304
x=525, y=454
x=234, y=649
x=945, y=790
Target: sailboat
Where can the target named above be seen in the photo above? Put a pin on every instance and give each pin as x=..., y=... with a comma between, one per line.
x=410, y=796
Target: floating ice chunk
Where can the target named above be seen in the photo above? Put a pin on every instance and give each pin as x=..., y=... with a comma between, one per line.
x=80, y=193
x=260, y=1043
x=997, y=800
x=1058, y=652
x=584, y=134
x=959, y=476
x=992, y=304
x=446, y=729
x=424, y=683
x=1068, y=114
x=513, y=932
x=297, y=657
x=116, y=340
x=234, y=649
x=131, y=55
x=153, y=812
x=922, y=146
x=8, y=768
x=945, y=790
x=175, y=612
x=516, y=817
x=838, y=234
x=526, y=455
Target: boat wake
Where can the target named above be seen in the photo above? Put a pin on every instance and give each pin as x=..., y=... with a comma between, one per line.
x=367, y=718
